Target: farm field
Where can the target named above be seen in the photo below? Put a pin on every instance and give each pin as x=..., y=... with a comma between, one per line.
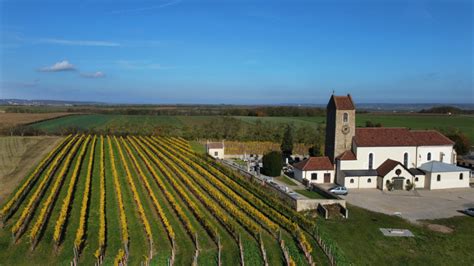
x=146, y=123
x=128, y=123
x=146, y=199
x=8, y=120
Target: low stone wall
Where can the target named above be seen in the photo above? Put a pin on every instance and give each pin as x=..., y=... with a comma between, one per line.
x=299, y=204
x=312, y=204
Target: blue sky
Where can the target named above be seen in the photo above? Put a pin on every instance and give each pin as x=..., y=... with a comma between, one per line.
x=237, y=52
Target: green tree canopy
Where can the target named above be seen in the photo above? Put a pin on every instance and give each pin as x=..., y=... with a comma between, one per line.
x=287, y=142
x=272, y=163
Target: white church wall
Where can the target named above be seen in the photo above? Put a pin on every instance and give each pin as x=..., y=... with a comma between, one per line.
x=350, y=164
x=419, y=181
x=360, y=182
x=436, y=152
x=351, y=182
x=381, y=154
x=403, y=173
x=449, y=180
x=367, y=182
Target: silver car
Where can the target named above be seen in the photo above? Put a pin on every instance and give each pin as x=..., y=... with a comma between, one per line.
x=339, y=190
x=469, y=211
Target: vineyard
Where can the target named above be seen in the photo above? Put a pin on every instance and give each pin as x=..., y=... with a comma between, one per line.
x=147, y=200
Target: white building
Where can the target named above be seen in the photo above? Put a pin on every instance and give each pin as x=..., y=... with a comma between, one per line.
x=388, y=157
x=215, y=149
x=314, y=170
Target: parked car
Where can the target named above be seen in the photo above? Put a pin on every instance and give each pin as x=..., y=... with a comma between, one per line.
x=339, y=190
x=469, y=211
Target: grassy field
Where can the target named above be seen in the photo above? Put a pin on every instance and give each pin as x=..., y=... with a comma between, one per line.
x=362, y=242
x=146, y=123
x=8, y=120
x=310, y=194
x=157, y=192
x=15, y=154
x=412, y=121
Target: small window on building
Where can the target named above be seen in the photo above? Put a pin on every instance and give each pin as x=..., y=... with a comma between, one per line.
x=216, y=153
x=371, y=160
x=438, y=178
x=428, y=156
x=416, y=179
x=314, y=176
x=405, y=159
x=345, y=118
x=369, y=180
x=408, y=181
x=461, y=176
x=352, y=180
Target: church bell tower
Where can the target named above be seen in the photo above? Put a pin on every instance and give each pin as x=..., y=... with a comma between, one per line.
x=340, y=125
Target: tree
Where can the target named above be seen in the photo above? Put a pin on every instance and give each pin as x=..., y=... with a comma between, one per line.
x=272, y=163
x=461, y=142
x=369, y=123
x=287, y=142
x=315, y=150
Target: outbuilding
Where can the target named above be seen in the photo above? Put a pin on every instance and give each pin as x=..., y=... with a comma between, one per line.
x=215, y=149
x=442, y=175
x=314, y=170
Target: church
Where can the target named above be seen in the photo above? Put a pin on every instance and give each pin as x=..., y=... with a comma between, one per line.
x=380, y=157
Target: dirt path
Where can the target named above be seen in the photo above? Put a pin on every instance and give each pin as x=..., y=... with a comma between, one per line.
x=18, y=156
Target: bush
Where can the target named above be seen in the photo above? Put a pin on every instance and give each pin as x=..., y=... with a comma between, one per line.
x=272, y=163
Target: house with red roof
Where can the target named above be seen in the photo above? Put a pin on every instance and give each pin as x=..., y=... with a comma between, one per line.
x=316, y=170
x=385, y=158
x=215, y=149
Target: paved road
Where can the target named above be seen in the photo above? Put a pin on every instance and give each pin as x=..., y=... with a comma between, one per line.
x=417, y=205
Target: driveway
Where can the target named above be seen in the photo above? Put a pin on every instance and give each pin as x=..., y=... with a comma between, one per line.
x=414, y=205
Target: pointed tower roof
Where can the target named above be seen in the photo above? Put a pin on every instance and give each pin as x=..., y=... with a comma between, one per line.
x=341, y=102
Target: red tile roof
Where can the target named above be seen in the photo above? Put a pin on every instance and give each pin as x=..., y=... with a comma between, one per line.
x=387, y=166
x=430, y=137
x=385, y=137
x=343, y=102
x=215, y=145
x=381, y=136
x=314, y=164
x=346, y=156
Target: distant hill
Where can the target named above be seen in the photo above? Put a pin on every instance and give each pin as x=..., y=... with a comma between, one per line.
x=446, y=110
x=21, y=102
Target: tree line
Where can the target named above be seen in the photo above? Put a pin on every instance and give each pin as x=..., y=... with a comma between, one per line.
x=191, y=110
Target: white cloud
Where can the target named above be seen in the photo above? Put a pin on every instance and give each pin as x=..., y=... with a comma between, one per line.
x=59, y=66
x=79, y=42
x=94, y=75
x=141, y=9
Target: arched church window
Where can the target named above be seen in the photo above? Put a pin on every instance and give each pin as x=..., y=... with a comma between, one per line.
x=428, y=156
x=371, y=160
x=345, y=117
x=405, y=159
